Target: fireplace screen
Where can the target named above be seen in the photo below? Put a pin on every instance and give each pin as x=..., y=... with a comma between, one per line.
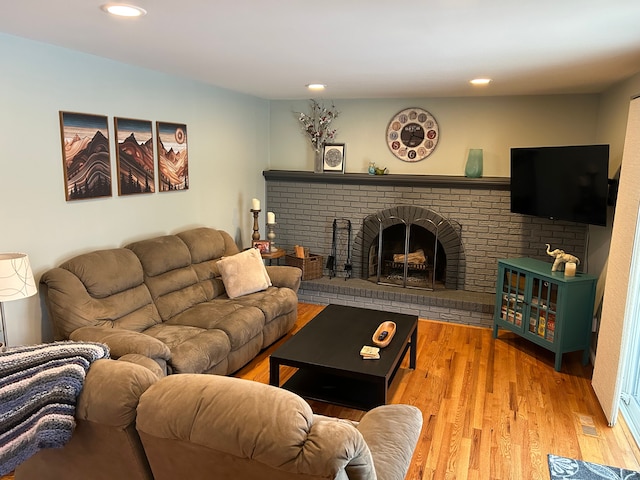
x=406, y=255
x=413, y=253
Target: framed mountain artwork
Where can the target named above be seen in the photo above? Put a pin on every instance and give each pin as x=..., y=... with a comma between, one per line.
x=135, y=158
x=173, y=158
x=85, y=155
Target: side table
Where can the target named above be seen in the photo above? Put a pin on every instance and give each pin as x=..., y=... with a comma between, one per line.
x=275, y=255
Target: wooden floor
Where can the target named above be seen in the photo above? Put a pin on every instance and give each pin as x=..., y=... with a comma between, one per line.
x=493, y=409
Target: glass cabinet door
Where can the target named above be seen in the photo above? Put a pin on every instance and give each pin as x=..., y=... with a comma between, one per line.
x=512, y=303
x=542, y=316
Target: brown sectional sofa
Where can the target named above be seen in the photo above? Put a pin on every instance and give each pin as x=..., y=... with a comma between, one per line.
x=132, y=424
x=162, y=303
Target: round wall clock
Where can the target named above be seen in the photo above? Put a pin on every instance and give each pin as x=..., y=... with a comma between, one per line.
x=412, y=134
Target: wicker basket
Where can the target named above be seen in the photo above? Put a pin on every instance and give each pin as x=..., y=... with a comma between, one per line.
x=311, y=266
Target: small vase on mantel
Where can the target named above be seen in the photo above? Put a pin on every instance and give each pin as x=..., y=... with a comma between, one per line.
x=473, y=169
x=317, y=161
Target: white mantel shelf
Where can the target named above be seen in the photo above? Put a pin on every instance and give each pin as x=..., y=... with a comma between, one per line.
x=442, y=181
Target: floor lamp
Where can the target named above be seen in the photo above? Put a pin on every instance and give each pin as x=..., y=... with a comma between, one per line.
x=16, y=282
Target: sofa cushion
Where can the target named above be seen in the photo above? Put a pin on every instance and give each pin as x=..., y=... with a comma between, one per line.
x=168, y=273
x=161, y=254
x=106, y=272
x=102, y=288
x=207, y=246
x=244, y=273
x=193, y=350
x=239, y=323
x=273, y=302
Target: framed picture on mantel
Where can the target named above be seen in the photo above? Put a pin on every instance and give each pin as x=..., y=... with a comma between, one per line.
x=333, y=157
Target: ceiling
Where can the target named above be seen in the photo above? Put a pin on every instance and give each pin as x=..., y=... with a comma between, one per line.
x=358, y=48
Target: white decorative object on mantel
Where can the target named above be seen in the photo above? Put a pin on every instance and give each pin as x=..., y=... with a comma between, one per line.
x=561, y=257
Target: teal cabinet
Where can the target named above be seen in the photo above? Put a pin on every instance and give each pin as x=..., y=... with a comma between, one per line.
x=545, y=307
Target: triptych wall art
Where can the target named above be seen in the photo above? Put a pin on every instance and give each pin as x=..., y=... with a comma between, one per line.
x=172, y=156
x=135, y=159
x=87, y=159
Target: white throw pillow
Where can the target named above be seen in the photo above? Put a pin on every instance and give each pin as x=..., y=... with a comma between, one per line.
x=243, y=273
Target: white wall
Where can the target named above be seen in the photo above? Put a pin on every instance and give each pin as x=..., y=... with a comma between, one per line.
x=613, y=115
x=612, y=125
x=607, y=372
x=227, y=138
x=494, y=124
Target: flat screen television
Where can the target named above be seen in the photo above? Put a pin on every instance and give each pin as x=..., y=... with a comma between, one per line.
x=562, y=183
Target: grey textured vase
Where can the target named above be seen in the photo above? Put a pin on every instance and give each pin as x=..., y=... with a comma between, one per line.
x=473, y=169
x=317, y=161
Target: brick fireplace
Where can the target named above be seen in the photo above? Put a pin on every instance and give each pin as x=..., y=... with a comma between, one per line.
x=476, y=228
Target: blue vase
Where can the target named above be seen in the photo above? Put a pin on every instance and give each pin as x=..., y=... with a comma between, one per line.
x=473, y=169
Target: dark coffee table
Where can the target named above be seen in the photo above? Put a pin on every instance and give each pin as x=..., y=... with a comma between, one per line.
x=326, y=353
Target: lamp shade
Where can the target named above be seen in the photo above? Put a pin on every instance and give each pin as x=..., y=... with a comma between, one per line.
x=16, y=277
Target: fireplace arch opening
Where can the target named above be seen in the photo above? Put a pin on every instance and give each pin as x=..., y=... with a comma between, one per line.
x=431, y=243
x=426, y=262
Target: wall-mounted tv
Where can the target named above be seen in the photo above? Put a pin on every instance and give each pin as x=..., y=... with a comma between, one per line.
x=561, y=183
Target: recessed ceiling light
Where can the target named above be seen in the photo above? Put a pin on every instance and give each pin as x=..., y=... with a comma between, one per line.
x=480, y=81
x=123, y=10
x=316, y=86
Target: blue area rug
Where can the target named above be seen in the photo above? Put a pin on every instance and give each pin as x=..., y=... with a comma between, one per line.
x=568, y=468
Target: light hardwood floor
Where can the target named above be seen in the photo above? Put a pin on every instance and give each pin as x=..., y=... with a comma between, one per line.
x=493, y=409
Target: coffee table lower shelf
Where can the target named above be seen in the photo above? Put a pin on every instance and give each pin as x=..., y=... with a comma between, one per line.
x=337, y=390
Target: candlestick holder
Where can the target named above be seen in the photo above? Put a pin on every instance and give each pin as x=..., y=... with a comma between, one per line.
x=256, y=227
x=271, y=235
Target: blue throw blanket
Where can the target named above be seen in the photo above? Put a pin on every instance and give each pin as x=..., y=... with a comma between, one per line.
x=39, y=385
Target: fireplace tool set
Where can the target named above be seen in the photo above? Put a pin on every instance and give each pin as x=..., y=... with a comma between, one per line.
x=341, y=227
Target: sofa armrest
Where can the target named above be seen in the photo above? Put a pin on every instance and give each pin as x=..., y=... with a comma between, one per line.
x=337, y=443
x=122, y=342
x=157, y=365
x=187, y=413
x=104, y=444
x=111, y=392
x=391, y=432
x=285, y=276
